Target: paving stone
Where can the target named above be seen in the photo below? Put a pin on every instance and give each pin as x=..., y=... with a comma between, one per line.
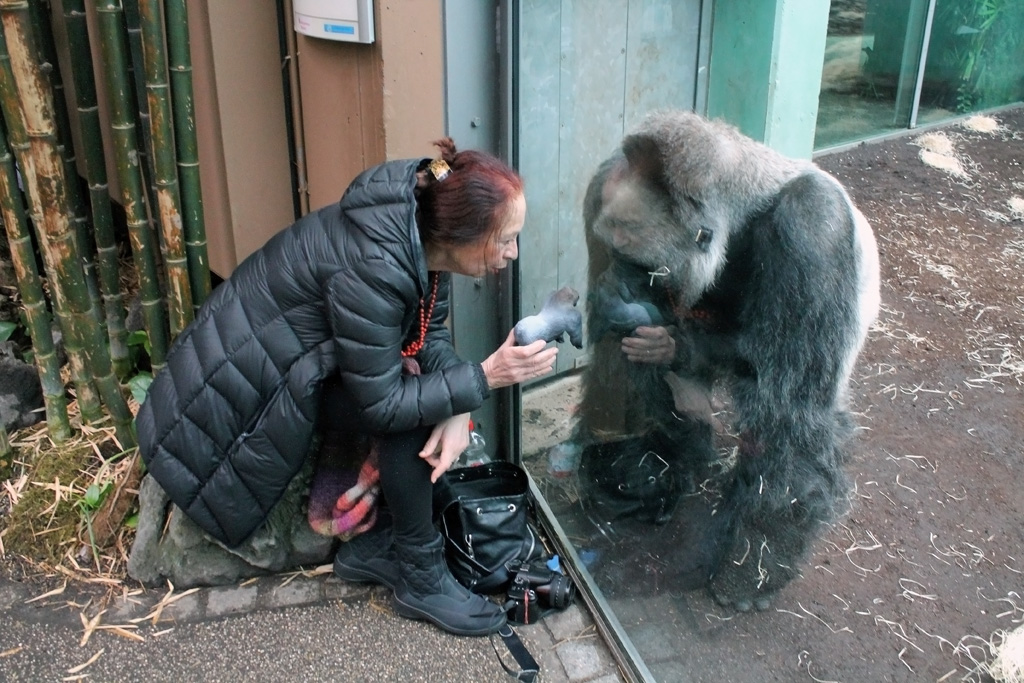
x=130, y=608
x=222, y=601
x=297, y=592
x=581, y=660
x=567, y=623
x=336, y=589
x=186, y=608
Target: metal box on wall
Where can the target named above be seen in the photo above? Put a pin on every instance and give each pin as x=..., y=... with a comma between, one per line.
x=347, y=20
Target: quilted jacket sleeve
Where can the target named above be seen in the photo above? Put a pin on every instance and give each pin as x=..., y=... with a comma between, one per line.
x=438, y=352
x=367, y=305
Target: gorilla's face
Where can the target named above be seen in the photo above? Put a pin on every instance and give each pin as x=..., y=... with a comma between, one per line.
x=637, y=220
x=645, y=224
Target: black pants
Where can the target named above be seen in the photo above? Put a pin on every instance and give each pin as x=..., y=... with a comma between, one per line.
x=404, y=475
x=405, y=483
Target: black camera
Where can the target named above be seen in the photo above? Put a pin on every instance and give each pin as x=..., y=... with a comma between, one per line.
x=535, y=590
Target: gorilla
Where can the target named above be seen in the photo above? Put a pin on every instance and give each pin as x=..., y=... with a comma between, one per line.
x=767, y=279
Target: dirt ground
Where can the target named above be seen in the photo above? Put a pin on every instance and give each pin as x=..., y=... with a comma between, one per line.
x=925, y=572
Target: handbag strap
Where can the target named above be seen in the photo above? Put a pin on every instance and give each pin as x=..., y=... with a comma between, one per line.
x=456, y=545
x=528, y=667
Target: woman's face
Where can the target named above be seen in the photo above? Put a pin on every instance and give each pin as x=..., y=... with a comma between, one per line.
x=497, y=249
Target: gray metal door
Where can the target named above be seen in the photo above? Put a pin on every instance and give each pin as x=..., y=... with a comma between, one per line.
x=475, y=121
x=588, y=70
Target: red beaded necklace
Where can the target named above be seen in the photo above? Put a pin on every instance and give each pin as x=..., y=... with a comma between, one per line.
x=425, y=314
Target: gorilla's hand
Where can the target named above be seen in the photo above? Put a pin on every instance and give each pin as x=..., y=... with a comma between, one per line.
x=655, y=345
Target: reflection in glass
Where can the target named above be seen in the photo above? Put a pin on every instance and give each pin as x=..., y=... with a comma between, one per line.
x=870, y=71
x=872, y=82
x=975, y=57
x=589, y=70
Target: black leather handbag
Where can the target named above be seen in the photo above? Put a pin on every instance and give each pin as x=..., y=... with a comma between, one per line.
x=483, y=514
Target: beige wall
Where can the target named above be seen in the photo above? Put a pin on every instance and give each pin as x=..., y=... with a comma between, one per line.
x=354, y=105
x=363, y=104
x=413, y=56
x=247, y=194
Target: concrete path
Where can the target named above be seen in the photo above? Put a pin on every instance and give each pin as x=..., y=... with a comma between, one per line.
x=280, y=628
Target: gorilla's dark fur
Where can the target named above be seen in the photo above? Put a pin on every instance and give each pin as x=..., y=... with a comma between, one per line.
x=770, y=275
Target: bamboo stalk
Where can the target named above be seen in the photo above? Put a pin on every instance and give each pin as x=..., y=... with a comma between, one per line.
x=180, y=66
x=96, y=176
x=33, y=299
x=50, y=67
x=179, y=291
x=88, y=399
x=48, y=194
x=130, y=176
x=137, y=84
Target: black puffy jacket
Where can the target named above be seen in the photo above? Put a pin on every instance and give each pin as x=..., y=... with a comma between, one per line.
x=230, y=419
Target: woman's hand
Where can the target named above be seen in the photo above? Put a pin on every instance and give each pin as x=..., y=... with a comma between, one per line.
x=446, y=443
x=654, y=345
x=512, y=364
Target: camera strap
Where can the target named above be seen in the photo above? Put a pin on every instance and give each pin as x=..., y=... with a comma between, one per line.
x=528, y=667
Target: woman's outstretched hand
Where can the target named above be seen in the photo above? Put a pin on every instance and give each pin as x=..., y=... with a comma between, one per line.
x=446, y=443
x=512, y=364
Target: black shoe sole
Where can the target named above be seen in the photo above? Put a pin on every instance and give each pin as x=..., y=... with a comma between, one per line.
x=410, y=612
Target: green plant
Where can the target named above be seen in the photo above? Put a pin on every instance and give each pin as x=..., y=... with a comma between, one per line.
x=139, y=386
x=139, y=353
x=87, y=506
x=977, y=50
x=6, y=330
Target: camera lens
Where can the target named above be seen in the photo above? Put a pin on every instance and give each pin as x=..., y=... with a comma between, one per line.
x=558, y=592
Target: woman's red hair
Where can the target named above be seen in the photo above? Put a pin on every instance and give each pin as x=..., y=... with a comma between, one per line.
x=471, y=202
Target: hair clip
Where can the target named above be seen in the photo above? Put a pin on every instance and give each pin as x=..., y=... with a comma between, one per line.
x=440, y=169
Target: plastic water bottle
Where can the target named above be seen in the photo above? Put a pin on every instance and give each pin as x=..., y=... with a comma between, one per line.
x=564, y=459
x=476, y=452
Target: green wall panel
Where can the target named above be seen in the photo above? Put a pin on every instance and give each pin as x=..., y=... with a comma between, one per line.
x=766, y=61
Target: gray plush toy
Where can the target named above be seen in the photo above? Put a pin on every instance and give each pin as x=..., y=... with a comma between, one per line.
x=557, y=316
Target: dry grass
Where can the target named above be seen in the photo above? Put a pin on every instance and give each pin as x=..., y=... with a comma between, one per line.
x=43, y=503
x=982, y=124
x=1007, y=665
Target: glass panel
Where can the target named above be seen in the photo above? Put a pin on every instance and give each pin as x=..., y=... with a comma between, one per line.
x=975, y=58
x=588, y=71
x=872, y=56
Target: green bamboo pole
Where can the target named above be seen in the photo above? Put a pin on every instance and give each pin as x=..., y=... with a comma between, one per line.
x=47, y=192
x=180, y=66
x=137, y=83
x=130, y=175
x=96, y=175
x=10, y=102
x=33, y=299
x=179, y=291
x=83, y=232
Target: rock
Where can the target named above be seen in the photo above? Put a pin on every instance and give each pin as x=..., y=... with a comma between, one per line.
x=21, y=395
x=170, y=546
